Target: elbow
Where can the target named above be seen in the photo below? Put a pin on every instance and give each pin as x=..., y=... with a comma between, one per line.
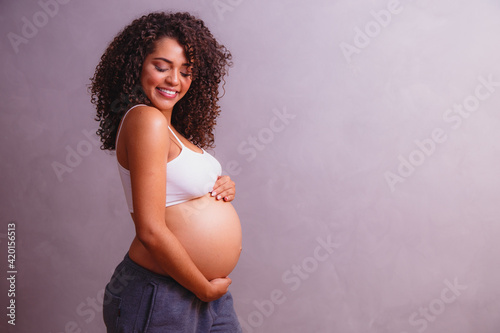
x=148, y=237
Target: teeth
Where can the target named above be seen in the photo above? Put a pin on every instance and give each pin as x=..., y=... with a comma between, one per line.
x=168, y=92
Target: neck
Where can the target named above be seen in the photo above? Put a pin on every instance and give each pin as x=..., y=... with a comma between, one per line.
x=168, y=115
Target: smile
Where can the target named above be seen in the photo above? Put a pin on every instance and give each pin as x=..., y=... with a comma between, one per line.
x=167, y=92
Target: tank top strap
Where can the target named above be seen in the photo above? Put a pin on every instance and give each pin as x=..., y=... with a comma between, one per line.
x=180, y=142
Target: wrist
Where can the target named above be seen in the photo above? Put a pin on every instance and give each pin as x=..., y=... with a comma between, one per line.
x=205, y=291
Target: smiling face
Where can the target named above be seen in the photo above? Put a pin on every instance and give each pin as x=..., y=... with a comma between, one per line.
x=166, y=74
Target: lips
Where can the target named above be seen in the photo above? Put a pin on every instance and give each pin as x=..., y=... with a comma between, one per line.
x=168, y=93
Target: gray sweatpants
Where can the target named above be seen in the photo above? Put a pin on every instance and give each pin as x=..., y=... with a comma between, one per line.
x=138, y=300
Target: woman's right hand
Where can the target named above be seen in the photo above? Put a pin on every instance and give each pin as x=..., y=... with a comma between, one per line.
x=218, y=287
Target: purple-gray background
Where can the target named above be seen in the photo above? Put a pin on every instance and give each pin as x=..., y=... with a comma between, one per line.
x=363, y=137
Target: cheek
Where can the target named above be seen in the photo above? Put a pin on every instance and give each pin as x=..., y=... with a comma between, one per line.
x=149, y=79
x=187, y=85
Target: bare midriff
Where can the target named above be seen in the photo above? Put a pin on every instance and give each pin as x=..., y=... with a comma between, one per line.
x=209, y=230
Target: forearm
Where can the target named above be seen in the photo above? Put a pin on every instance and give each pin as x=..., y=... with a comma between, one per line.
x=174, y=260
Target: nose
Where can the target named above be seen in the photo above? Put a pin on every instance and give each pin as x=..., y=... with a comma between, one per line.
x=173, y=77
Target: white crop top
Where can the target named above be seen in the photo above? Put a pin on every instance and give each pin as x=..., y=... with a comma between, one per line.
x=190, y=175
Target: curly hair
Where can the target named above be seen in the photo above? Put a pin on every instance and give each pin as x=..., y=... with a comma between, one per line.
x=115, y=86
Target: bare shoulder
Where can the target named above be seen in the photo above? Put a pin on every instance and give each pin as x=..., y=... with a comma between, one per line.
x=144, y=118
x=144, y=125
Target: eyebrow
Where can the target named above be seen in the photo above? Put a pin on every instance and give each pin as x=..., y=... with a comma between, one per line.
x=187, y=64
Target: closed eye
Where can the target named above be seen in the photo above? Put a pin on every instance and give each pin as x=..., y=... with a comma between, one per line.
x=159, y=69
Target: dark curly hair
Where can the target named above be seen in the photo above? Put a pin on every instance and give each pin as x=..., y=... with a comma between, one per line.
x=115, y=86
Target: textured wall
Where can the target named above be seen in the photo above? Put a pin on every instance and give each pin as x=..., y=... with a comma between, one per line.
x=363, y=137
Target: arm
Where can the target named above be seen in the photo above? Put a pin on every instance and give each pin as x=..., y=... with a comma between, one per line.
x=147, y=144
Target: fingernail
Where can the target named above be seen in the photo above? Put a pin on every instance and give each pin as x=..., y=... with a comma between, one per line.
x=218, y=197
x=213, y=193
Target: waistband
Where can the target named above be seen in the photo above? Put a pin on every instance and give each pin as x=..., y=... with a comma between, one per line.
x=129, y=263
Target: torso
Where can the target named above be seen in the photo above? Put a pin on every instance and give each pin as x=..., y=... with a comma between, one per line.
x=209, y=229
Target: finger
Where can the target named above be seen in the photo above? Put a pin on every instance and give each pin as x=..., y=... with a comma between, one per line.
x=225, y=193
x=222, y=179
x=222, y=185
x=225, y=280
x=224, y=190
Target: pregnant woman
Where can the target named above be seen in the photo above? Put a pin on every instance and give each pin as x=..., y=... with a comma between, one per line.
x=156, y=91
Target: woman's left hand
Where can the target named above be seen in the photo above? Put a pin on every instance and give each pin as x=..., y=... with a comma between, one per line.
x=224, y=189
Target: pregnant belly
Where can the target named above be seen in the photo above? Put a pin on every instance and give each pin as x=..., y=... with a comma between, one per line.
x=210, y=231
